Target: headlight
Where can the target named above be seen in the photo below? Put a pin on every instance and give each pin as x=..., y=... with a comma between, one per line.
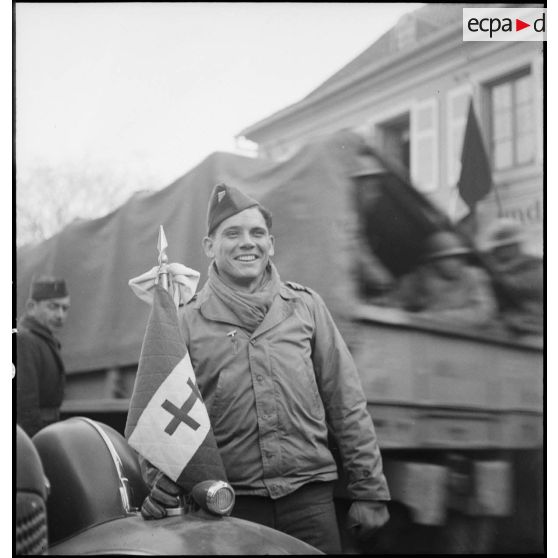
x=214, y=496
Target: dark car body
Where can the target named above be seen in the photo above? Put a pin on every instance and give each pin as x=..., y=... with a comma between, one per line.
x=95, y=491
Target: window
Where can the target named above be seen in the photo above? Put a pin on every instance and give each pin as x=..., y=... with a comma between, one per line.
x=512, y=130
x=394, y=138
x=424, y=145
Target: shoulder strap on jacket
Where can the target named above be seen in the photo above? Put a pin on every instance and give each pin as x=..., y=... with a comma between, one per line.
x=297, y=287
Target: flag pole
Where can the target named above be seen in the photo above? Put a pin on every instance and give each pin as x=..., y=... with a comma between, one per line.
x=163, y=280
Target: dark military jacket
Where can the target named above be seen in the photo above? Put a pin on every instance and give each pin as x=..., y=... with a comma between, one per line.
x=40, y=376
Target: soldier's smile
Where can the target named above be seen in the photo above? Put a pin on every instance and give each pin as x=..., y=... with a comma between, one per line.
x=248, y=258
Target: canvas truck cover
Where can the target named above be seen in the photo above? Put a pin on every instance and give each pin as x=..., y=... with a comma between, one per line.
x=315, y=224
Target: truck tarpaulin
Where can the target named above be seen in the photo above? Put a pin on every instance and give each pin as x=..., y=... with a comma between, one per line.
x=311, y=197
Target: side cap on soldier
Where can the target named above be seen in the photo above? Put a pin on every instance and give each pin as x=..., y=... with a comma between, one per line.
x=225, y=202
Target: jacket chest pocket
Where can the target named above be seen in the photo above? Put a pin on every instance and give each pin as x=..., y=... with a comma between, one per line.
x=230, y=397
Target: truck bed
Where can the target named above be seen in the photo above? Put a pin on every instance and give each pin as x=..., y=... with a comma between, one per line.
x=430, y=384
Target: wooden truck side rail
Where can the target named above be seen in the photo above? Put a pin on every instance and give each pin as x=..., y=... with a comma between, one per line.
x=429, y=384
x=433, y=385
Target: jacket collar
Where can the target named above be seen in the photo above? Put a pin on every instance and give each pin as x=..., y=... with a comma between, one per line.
x=33, y=325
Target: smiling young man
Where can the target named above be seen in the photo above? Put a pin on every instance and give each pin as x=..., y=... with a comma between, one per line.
x=40, y=375
x=241, y=248
x=276, y=377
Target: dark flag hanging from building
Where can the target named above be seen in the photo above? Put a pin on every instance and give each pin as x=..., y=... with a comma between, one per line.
x=167, y=421
x=475, y=180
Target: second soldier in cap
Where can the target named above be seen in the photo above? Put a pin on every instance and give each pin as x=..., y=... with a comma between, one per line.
x=40, y=374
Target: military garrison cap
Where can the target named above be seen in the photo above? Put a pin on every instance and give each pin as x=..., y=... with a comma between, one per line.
x=225, y=202
x=46, y=287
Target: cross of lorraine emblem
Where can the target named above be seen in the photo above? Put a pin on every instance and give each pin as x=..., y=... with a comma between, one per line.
x=181, y=414
x=220, y=195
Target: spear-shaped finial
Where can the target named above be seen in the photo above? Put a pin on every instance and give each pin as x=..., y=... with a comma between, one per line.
x=162, y=246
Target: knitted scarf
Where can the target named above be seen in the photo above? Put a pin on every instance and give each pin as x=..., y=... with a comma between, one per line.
x=249, y=308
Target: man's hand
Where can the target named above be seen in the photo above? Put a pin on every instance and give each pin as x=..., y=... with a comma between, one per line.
x=163, y=495
x=366, y=517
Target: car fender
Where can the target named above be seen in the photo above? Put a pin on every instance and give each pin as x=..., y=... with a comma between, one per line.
x=196, y=533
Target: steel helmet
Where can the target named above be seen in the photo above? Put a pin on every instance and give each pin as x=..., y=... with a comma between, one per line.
x=443, y=244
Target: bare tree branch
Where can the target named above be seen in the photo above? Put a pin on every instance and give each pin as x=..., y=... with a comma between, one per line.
x=48, y=198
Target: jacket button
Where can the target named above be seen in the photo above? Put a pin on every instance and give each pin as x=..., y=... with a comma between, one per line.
x=259, y=377
x=252, y=341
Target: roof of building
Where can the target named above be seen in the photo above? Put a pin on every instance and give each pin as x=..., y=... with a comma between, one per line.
x=412, y=30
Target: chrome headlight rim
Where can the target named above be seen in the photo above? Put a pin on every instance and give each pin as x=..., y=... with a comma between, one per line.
x=206, y=494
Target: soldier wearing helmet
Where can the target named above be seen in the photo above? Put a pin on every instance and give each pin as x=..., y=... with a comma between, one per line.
x=40, y=375
x=519, y=278
x=446, y=285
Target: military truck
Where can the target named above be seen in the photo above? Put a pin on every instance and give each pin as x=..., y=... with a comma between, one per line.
x=458, y=412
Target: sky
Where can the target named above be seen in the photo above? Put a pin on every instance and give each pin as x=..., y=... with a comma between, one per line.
x=152, y=89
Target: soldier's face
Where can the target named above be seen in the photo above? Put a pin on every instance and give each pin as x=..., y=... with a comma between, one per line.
x=51, y=313
x=241, y=247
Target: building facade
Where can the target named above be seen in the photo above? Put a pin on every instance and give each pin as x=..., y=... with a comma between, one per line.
x=409, y=93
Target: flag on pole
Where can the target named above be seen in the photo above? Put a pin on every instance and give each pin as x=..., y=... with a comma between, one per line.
x=475, y=180
x=167, y=421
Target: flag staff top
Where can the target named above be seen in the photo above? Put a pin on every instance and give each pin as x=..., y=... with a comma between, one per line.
x=163, y=271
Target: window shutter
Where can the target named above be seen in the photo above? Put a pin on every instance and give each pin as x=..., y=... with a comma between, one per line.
x=457, y=108
x=424, y=145
x=538, y=106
